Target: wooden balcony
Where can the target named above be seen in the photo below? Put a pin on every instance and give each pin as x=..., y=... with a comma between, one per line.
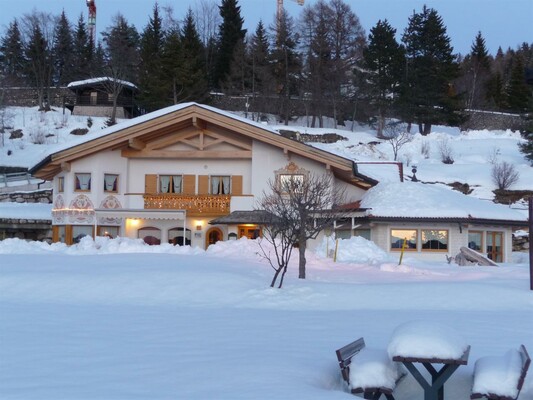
x=195, y=205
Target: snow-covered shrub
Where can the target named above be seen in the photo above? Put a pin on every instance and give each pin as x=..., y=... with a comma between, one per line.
x=425, y=148
x=446, y=151
x=493, y=156
x=504, y=175
x=38, y=136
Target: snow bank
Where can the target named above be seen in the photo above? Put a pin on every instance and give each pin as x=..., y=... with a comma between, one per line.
x=356, y=250
x=427, y=340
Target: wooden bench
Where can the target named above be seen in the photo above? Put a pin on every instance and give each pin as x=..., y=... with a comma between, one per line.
x=503, y=367
x=346, y=355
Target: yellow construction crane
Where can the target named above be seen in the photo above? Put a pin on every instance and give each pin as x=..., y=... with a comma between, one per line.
x=91, y=22
x=280, y=9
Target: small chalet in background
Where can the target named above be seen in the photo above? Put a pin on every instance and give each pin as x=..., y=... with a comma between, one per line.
x=94, y=97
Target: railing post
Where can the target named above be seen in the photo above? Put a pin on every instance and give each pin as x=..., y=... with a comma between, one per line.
x=530, y=243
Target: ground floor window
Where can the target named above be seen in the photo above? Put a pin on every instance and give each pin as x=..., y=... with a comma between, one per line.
x=80, y=231
x=364, y=233
x=108, y=231
x=150, y=235
x=399, y=236
x=495, y=246
x=249, y=231
x=175, y=236
x=434, y=240
x=61, y=234
x=475, y=240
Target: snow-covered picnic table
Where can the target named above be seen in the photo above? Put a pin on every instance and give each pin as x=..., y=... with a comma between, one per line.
x=430, y=344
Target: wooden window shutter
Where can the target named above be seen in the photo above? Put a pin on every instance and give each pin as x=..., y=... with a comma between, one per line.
x=189, y=184
x=236, y=185
x=203, y=184
x=150, y=183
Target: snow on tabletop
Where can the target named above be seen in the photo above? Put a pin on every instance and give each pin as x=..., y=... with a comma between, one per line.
x=418, y=200
x=498, y=374
x=426, y=340
x=372, y=368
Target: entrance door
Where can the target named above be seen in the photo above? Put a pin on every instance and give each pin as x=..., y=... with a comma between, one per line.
x=495, y=246
x=213, y=236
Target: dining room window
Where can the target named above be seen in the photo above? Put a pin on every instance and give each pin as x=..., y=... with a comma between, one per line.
x=434, y=239
x=399, y=236
x=82, y=182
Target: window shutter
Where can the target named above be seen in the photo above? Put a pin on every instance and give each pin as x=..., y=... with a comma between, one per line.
x=189, y=184
x=203, y=184
x=236, y=185
x=150, y=183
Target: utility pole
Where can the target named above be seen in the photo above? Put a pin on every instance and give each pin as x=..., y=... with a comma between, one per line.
x=530, y=243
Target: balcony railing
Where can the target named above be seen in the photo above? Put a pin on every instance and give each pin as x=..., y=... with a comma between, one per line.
x=195, y=205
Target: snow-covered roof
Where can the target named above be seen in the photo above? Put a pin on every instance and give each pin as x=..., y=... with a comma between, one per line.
x=92, y=81
x=380, y=171
x=417, y=200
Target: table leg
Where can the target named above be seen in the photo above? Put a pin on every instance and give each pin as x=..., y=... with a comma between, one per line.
x=435, y=390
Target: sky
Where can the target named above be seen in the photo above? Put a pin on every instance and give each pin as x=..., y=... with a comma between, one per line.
x=502, y=23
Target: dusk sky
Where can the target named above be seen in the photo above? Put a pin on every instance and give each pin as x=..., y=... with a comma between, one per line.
x=505, y=23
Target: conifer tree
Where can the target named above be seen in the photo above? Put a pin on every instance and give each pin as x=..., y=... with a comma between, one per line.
x=383, y=61
x=12, y=59
x=82, y=53
x=151, y=74
x=62, y=51
x=230, y=34
x=427, y=95
x=518, y=94
x=172, y=64
x=194, y=80
x=261, y=79
x=477, y=72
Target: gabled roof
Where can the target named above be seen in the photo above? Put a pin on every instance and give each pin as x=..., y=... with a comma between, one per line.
x=133, y=134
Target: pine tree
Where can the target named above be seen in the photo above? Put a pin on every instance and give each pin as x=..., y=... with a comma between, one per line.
x=82, y=53
x=12, y=60
x=194, y=79
x=384, y=61
x=261, y=79
x=286, y=65
x=477, y=72
x=427, y=97
x=518, y=94
x=62, y=51
x=39, y=63
x=151, y=75
x=230, y=34
x=172, y=64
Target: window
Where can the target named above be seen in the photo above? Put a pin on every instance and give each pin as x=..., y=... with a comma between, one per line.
x=291, y=182
x=399, y=236
x=220, y=185
x=343, y=233
x=475, y=240
x=175, y=236
x=170, y=184
x=495, y=246
x=108, y=231
x=80, y=231
x=434, y=240
x=364, y=233
x=82, y=182
x=110, y=183
x=150, y=235
x=61, y=184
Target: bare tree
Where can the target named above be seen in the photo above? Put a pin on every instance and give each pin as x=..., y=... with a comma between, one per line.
x=504, y=175
x=446, y=151
x=298, y=207
x=396, y=134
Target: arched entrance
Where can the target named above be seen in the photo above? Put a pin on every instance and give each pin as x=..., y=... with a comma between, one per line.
x=213, y=235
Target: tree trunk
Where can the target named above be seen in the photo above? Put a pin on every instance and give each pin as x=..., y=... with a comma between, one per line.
x=275, y=278
x=302, y=244
x=427, y=129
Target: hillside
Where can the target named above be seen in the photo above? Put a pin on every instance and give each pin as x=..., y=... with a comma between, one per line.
x=473, y=152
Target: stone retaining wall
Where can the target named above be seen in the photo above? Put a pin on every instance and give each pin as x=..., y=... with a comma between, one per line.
x=39, y=196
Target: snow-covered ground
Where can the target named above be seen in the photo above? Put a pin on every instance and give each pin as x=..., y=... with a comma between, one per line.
x=116, y=319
